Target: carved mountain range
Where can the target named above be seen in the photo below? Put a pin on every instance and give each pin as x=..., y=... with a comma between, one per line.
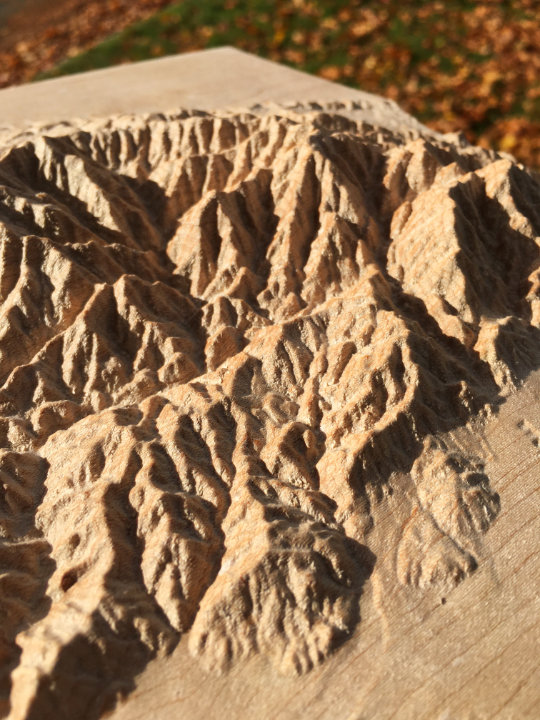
x=224, y=340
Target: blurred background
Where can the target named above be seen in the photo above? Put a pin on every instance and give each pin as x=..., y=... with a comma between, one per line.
x=456, y=65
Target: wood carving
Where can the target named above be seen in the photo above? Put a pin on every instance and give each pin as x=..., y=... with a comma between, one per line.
x=240, y=355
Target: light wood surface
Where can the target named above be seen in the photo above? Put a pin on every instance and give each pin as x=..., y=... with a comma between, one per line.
x=448, y=650
x=472, y=653
x=207, y=80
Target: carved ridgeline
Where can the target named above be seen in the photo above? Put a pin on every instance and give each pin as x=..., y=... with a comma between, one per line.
x=221, y=336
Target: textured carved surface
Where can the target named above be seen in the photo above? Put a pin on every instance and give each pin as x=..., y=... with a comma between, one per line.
x=226, y=341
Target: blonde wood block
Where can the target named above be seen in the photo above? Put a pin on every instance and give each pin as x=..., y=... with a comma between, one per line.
x=269, y=403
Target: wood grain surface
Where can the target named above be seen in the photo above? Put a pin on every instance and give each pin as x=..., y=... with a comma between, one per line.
x=472, y=653
x=270, y=408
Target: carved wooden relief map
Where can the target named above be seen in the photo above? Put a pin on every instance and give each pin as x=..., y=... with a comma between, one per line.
x=253, y=370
